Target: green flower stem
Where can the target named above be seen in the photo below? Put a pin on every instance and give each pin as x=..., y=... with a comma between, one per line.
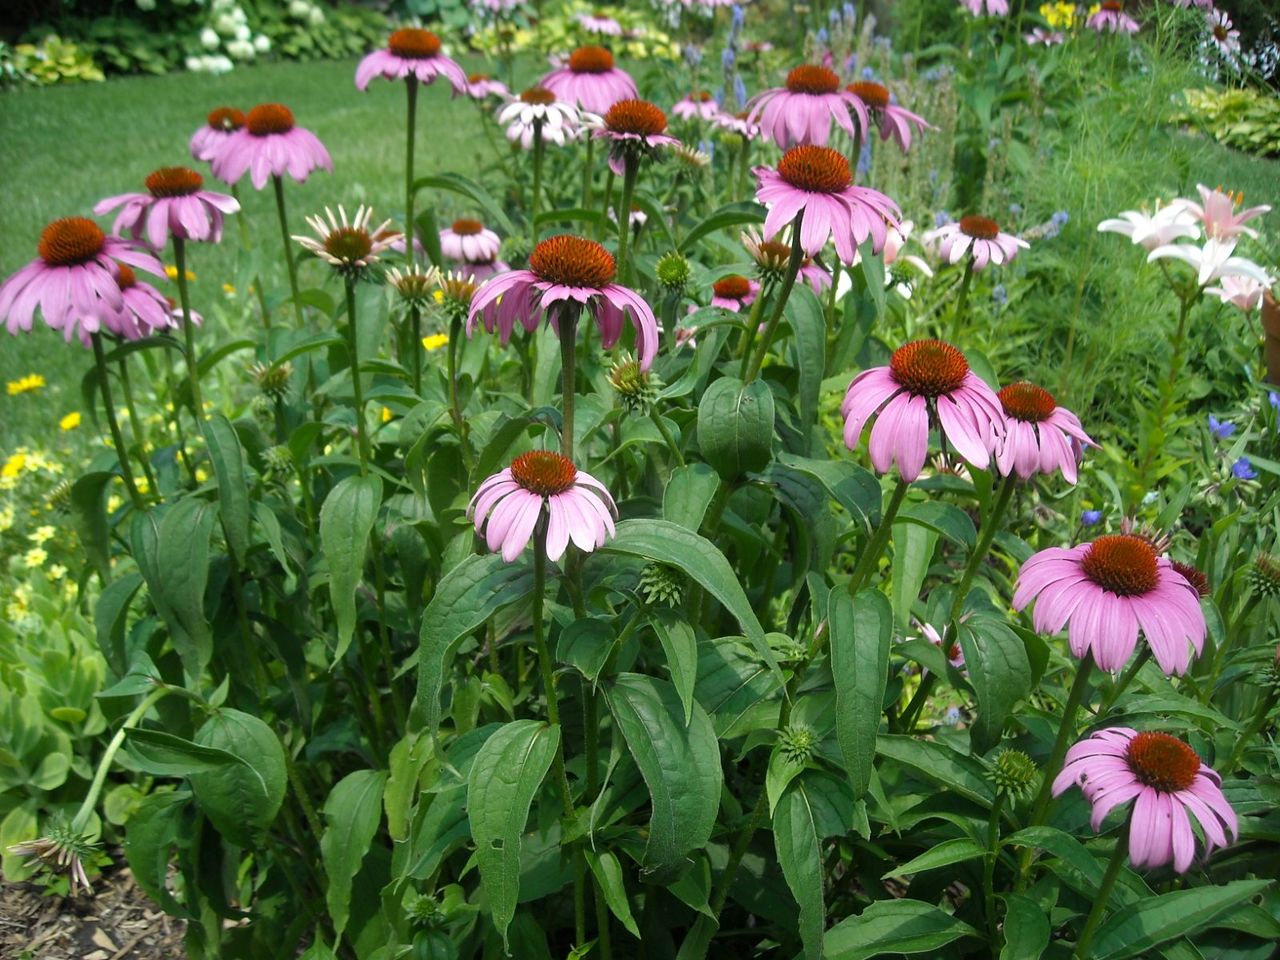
x=740, y=846
x=278, y=185
x=744, y=167
x=875, y=546
x=630, y=170
x=411, y=117
x=1168, y=389
x=670, y=441
x=962, y=300
x=588, y=165
x=455, y=405
x=568, y=375
x=990, y=527
x=415, y=327
x=989, y=870
x=135, y=428
x=188, y=330
x=1260, y=716
x=1229, y=640
x=539, y=152
x=117, y=438
x=246, y=244
x=353, y=348
x=749, y=328
x=788, y=282
x=1101, y=897
x=1125, y=679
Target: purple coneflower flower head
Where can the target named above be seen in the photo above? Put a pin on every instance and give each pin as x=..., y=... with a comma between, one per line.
x=509, y=505
x=739, y=123
x=980, y=237
x=1222, y=34
x=270, y=144
x=1111, y=18
x=1105, y=592
x=635, y=130
x=218, y=128
x=801, y=111
x=1042, y=436
x=1243, y=293
x=175, y=204
x=481, y=86
x=591, y=81
x=599, y=22
x=1242, y=469
x=537, y=108
x=734, y=292
x=1221, y=430
x=817, y=181
x=74, y=280
x=1166, y=781
x=893, y=120
x=575, y=272
x=470, y=241
x=1039, y=36
x=143, y=311
x=926, y=382
x=699, y=104
x=1090, y=518
x=992, y=8
x=487, y=269
x=953, y=651
x=1167, y=224
x=1216, y=212
x=349, y=246
x=411, y=52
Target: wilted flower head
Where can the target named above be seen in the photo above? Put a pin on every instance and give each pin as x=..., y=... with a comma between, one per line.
x=348, y=246
x=637, y=389
x=62, y=851
x=414, y=285
x=635, y=130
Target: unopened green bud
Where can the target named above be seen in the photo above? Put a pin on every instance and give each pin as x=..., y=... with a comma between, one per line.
x=662, y=585
x=1013, y=772
x=673, y=271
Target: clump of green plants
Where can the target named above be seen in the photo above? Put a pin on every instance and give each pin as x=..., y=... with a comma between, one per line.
x=1243, y=118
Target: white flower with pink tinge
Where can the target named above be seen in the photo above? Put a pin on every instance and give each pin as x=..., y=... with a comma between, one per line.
x=1212, y=261
x=537, y=108
x=470, y=241
x=508, y=506
x=1216, y=212
x=1167, y=224
x=979, y=236
x=1223, y=35
x=1243, y=293
x=1042, y=436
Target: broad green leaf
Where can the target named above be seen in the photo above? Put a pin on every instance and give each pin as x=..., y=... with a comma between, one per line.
x=346, y=519
x=797, y=840
x=809, y=325
x=853, y=487
x=735, y=426
x=894, y=927
x=168, y=755
x=1026, y=929
x=149, y=837
x=913, y=547
x=729, y=215
x=688, y=493
x=585, y=645
x=943, y=854
x=465, y=598
x=1074, y=855
x=110, y=619
x=408, y=758
x=942, y=518
x=861, y=630
x=608, y=873
x=457, y=183
x=89, y=507
x=242, y=800
x=505, y=777
x=681, y=647
x=996, y=660
x=672, y=544
x=352, y=812
x=939, y=763
x=781, y=771
x=679, y=763
x=1138, y=928
x=233, y=487
x=173, y=555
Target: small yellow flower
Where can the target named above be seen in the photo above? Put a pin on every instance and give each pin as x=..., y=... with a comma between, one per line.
x=42, y=534
x=35, y=557
x=32, y=381
x=387, y=414
x=70, y=421
x=6, y=519
x=113, y=503
x=201, y=475
x=56, y=572
x=142, y=484
x=14, y=466
x=229, y=289
x=435, y=341
x=171, y=272
x=439, y=295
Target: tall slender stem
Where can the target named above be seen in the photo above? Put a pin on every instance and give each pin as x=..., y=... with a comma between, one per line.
x=539, y=152
x=1126, y=678
x=415, y=327
x=962, y=299
x=568, y=375
x=353, y=348
x=117, y=438
x=990, y=527
x=246, y=244
x=278, y=185
x=411, y=117
x=670, y=441
x=455, y=406
x=989, y=868
x=81, y=819
x=788, y=282
x=875, y=546
x=751, y=325
x=135, y=427
x=188, y=329
x=1101, y=897
x=629, y=172
x=588, y=169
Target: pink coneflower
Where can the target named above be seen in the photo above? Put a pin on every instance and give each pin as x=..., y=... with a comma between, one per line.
x=926, y=382
x=635, y=130
x=979, y=235
x=509, y=504
x=1039, y=36
x=1222, y=34
x=411, y=52
x=893, y=120
x=802, y=110
x=217, y=130
x=143, y=311
x=538, y=106
x=1216, y=212
x=349, y=246
x=599, y=22
x=1104, y=592
x=953, y=651
x=1111, y=18
x=734, y=292
x=992, y=8
x=483, y=270
x=567, y=270
x=481, y=86
x=699, y=104
x=469, y=240
x=1165, y=779
x=591, y=81
x=817, y=181
x=1243, y=293
x=175, y=204
x=74, y=281
x=739, y=123
x=270, y=144
x=1042, y=437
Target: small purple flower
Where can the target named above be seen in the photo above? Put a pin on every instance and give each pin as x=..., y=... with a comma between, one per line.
x=1219, y=429
x=868, y=73
x=941, y=218
x=823, y=36
x=1000, y=295
x=1274, y=398
x=728, y=59
x=1090, y=518
x=1015, y=209
x=739, y=16
x=1242, y=469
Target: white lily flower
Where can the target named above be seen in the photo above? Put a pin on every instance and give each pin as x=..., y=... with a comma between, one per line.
x=1155, y=230
x=1213, y=261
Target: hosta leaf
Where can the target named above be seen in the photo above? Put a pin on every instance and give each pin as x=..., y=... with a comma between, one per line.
x=352, y=811
x=861, y=632
x=346, y=519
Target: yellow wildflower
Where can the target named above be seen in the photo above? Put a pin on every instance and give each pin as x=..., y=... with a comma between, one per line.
x=229, y=289
x=42, y=534
x=14, y=466
x=439, y=295
x=56, y=572
x=6, y=518
x=171, y=272
x=387, y=414
x=35, y=557
x=201, y=475
x=32, y=381
x=113, y=503
x=435, y=341
x=70, y=421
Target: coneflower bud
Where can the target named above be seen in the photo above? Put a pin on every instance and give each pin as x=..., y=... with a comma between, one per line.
x=1271, y=676
x=797, y=743
x=1264, y=575
x=278, y=459
x=637, y=388
x=272, y=379
x=1194, y=576
x=1013, y=773
x=673, y=272
x=60, y=496
x=423, y=910
x=662, y=585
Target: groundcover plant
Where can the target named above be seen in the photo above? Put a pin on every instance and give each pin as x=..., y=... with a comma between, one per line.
x=636, y=548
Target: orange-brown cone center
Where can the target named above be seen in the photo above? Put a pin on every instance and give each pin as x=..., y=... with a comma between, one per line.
x=348, y=244
x=591, y=59
x=413, y=43
x=1194, y=576
x=174, y=182
x=125, y=277
x=1027, y=402
x=815, y=169
x=226, y=118
x=269, y=118
x=702, y=96
x=635, y=116
x=1123, y=564
x=478, y=78
x=467, y=228
x=871, y=93
x=1112, y=6
x=538, y=95
x=732, y=287
x=544, y=472
x=1162, y=762
x=812, y=79
x=71, y=241
x=928, y=368
x=573, y=262
x=980, y=228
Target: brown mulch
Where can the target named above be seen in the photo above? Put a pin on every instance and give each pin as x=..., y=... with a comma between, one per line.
x=119, y=922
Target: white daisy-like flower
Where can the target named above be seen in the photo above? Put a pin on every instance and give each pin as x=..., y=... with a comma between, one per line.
x=539, y=107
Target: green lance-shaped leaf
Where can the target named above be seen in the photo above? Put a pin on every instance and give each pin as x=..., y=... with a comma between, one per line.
x=853, y=487
x=946, y=853
x=688, y=493
x=996, y=659
x=894, y=927
x=505, y=777
x=233, y=487
x=465, y=598
x=608, y=873
x=681, y=648
x=241, y=800
x=809, y=325
x=89, y=507
x=861, y=630
x=913, y=547
x=735, y=426
x=679, y=763
x=1026, y=929
x=729, y=215
x=163, y=754
x=796, y=836
x=941, y=764
x=150, y=835
x=346, y=519
x=352, y=810
x=698, y=558
x=1136, y=929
